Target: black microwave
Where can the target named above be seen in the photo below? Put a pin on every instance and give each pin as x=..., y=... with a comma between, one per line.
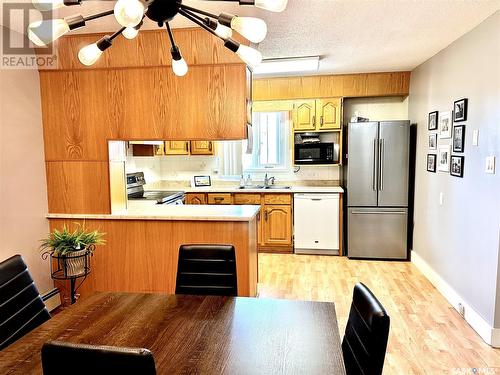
x=316, y=153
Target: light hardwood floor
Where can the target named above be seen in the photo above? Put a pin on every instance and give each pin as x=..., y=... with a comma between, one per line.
x=427, y=335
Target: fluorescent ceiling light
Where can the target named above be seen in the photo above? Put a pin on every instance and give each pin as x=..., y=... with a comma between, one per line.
x=287, y=65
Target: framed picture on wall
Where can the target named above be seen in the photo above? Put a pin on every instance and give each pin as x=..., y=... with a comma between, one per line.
x=445, y=124
x=431, y=163
x=458, y=138
x=460, y=110
x=433, y=139
x=443, y=157
x=433, y=121
x=457, y=166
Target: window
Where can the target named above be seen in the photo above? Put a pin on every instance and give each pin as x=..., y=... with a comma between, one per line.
x=270, y=142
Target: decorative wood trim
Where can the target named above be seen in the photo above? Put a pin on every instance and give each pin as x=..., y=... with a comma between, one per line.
x=326, y=86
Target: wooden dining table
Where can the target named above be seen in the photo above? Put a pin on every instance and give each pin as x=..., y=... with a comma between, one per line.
x=195, y=334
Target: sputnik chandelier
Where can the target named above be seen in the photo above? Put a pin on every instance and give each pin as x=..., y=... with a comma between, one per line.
x=130, y=15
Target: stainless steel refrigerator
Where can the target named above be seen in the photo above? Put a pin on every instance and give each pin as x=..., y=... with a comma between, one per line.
x=377, y=189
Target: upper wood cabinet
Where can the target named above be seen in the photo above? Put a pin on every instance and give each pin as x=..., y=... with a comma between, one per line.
x=317, y=115
x=304, y=115
x=202, y=148
x=176, y=147
x=328, y=112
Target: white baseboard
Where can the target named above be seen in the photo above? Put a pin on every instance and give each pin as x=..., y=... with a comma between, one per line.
x=52, y=299
x=489, y=334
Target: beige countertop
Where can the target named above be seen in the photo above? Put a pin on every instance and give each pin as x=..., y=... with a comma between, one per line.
x=236, y=189
x=149, y=210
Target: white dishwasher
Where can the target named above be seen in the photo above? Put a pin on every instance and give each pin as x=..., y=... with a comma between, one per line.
x=316, y=223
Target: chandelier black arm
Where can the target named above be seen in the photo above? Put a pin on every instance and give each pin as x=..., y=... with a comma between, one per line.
x=114, y=35
x=98, y=15
x=199, y=11
x=170, y=35
x=199, y=23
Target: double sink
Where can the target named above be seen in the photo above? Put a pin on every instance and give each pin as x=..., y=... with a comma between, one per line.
x=269, y=187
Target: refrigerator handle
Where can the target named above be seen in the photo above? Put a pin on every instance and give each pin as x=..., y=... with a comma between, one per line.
x=374, y=172
x=381, y=164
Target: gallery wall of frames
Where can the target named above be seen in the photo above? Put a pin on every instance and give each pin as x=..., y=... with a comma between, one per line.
x=443, y=126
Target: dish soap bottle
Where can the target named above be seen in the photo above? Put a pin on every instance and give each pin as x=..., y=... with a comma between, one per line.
x=248, y=181
x=242, y=182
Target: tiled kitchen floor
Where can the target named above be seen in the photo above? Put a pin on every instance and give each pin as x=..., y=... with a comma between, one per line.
x=427, y=335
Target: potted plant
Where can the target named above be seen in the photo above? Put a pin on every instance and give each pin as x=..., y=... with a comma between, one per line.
x=72, y=249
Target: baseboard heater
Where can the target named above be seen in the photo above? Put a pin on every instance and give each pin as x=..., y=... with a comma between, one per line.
x=52, y=299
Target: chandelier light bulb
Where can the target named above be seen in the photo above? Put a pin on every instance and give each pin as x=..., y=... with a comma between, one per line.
x=249, y=55
x=45, y=32
x=88, y=55
x=223, y=31
x=179, y=67
x=129, y=13
x=271, y=5
x=44, y=5
x=130, y=32
x=253, y=29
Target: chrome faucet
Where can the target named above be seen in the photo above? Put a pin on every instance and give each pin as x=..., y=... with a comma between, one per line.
x=269, y=181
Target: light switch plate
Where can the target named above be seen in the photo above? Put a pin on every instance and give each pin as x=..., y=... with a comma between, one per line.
x=490, y=165
x=441, y=198
x=475, y=137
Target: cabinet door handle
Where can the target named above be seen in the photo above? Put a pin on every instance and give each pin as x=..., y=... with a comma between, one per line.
x=265, y=215
x=321, y=120
x=314, y=120
x=209, y=146
x=218, y=199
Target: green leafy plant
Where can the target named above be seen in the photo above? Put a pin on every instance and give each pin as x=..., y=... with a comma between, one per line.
x=62, y=242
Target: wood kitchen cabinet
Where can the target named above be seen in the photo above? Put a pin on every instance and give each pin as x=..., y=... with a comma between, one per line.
x=317, y=115
x=219, y=198
x=202, y=148
x=277, y=225
x=176, y=147
x=196, y=198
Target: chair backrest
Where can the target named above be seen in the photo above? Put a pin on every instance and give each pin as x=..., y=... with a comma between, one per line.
x=62, y=358
x=366, y=334
x=207, y=270
x=21, y=307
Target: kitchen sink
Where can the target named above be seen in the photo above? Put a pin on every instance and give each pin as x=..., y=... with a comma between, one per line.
x=277, y=187
x=264, y=187
x=252, y=187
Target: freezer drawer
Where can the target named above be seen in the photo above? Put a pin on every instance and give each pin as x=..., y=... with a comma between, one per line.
x=377, y=233
x=316, y=223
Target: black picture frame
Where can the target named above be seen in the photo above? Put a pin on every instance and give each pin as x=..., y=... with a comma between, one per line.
x=457, y=165
x=431, y=162
x=200, y=181
x=458, y=143
x=432, y=121
x=460, y=110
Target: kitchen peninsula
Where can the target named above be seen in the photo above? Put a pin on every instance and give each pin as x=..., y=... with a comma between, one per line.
x=143, y=243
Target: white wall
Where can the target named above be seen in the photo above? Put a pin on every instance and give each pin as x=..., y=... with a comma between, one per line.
x=376, y=109
x=23, y=194
x=459, y=240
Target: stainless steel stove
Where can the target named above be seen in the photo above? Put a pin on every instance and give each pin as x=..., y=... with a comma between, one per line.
x=135, y=191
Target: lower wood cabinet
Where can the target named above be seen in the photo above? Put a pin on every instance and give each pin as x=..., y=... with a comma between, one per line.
x=196, y=198
x=277, y=225
x=275, y=220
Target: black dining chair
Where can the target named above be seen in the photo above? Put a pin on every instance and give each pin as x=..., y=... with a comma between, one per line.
x=366, y=334
x=62, y=358
x=207, y=270
x=21, y=307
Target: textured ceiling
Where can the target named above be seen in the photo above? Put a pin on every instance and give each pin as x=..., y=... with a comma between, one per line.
x=349, y=35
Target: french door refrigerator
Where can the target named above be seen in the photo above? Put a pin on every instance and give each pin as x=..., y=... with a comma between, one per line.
x=377, y=189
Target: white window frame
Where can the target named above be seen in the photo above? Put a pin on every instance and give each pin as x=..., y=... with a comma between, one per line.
x=283, y=144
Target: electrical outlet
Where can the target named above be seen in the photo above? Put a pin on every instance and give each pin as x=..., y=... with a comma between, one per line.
x=461, y=310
